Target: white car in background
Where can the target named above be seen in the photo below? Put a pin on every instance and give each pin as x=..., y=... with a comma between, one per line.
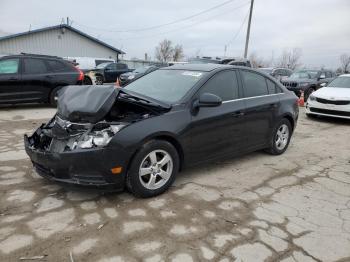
x=332, y=100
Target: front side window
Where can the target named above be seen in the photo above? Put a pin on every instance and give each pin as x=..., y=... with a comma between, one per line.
x=9, y=66
x=223, y=84
x=254, y=84
x=168, y=86
x=112, y=67
x=34, y=66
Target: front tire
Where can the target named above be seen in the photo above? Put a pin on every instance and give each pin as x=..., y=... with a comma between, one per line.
x=280, y=138
x=153, y=169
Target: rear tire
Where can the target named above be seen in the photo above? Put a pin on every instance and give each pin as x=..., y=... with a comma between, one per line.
x=280, y=138
x=153, y=169
x=53, y=96
x=87, y=81
x=98, y=80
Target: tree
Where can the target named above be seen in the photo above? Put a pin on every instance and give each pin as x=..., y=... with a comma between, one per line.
x=345, y=63
x=257, y=61
x=164, y=51
x=178, y=53
x=290, y=59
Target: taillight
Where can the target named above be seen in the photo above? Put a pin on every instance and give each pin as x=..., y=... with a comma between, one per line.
x=81, y=74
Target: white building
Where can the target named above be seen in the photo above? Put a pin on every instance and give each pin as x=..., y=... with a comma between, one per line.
x=61, y=40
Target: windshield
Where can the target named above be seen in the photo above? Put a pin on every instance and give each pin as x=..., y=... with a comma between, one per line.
x=103, y=65
x=168, y=86
x=141, y=70
x=304, y=74
x=342, y=81
x=203, y=61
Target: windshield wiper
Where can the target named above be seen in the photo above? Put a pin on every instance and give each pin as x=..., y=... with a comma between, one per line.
x=140, y=99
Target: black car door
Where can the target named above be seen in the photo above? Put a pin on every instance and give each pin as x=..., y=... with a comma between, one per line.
x=262, y=104
x=10, y=80
x=111, y=73
x=37, y=80
x=217, y=131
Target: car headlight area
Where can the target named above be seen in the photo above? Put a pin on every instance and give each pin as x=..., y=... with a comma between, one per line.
x=98, y=138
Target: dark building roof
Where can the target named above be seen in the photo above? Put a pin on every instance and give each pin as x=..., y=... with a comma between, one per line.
x=67, y=27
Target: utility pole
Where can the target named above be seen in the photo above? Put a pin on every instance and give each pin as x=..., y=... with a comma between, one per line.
x=248, y=29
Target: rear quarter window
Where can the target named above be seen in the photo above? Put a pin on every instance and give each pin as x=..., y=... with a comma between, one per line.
x=254, y=84
x=58, y=66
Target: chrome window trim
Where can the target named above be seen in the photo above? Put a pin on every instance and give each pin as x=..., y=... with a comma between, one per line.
x=245, y=98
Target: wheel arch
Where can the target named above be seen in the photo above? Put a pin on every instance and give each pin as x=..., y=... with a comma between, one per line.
x=290, y=119
x=165, y=137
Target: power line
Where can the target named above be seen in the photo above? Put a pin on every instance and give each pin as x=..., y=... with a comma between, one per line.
x=160, y=25
x=184, y=27
x=239, y=30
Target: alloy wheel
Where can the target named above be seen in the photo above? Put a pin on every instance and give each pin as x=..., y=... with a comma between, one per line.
x=156, y=169
x=282, y=137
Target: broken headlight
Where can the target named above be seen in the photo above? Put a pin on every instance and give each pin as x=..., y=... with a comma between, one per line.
x=97, y=138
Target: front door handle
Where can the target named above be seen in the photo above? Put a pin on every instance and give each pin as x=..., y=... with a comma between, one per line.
x=274, y=105
x=13, y=79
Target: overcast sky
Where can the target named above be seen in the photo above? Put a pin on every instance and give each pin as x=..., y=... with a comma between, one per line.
x=321, y=28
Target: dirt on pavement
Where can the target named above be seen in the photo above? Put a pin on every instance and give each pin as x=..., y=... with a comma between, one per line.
x=293, y=207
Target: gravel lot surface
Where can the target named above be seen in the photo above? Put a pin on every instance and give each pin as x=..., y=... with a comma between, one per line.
x=294, y=207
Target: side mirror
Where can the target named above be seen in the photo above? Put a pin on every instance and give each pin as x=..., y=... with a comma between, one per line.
x=208, y=100
x=322, y=76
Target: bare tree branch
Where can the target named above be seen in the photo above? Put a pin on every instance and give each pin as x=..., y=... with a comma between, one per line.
x=164, y=51
x=178, y=53
x=257, y=61
x=345, y=63
x=290, y=59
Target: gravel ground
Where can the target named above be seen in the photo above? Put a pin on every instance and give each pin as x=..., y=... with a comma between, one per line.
x=294, y=207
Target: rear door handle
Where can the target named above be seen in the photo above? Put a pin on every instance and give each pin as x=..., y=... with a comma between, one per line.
x=273, y=105
x=238, y=114
x=13, y=79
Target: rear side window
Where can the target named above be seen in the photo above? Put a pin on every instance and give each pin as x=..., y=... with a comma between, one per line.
x=223, y=84
x=34, y=66
x=254, y=84
x=9, y=66
x=122, y=66
x=57, y=66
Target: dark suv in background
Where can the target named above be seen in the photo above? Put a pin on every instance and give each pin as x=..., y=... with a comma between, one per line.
x=109, y=72
x=278, y=72
x=29, y=78
x=308, y=81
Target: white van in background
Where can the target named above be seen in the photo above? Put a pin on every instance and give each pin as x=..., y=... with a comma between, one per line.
x=88, y=63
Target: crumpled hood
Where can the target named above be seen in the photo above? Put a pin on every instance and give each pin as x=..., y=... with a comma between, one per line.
x=85, y=104
x=333, y=93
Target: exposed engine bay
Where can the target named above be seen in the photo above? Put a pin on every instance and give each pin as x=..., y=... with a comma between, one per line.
x=89, y=117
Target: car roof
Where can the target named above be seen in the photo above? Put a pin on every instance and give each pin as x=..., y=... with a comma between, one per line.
x=345, y=75
x=197, y=67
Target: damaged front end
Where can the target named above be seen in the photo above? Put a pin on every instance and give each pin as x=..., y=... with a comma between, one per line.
x=75, y=145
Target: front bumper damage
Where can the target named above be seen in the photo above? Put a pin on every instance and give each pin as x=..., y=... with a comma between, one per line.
x=86, y=167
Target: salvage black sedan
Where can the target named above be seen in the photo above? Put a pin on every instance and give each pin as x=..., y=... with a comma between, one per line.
x=141, y=136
